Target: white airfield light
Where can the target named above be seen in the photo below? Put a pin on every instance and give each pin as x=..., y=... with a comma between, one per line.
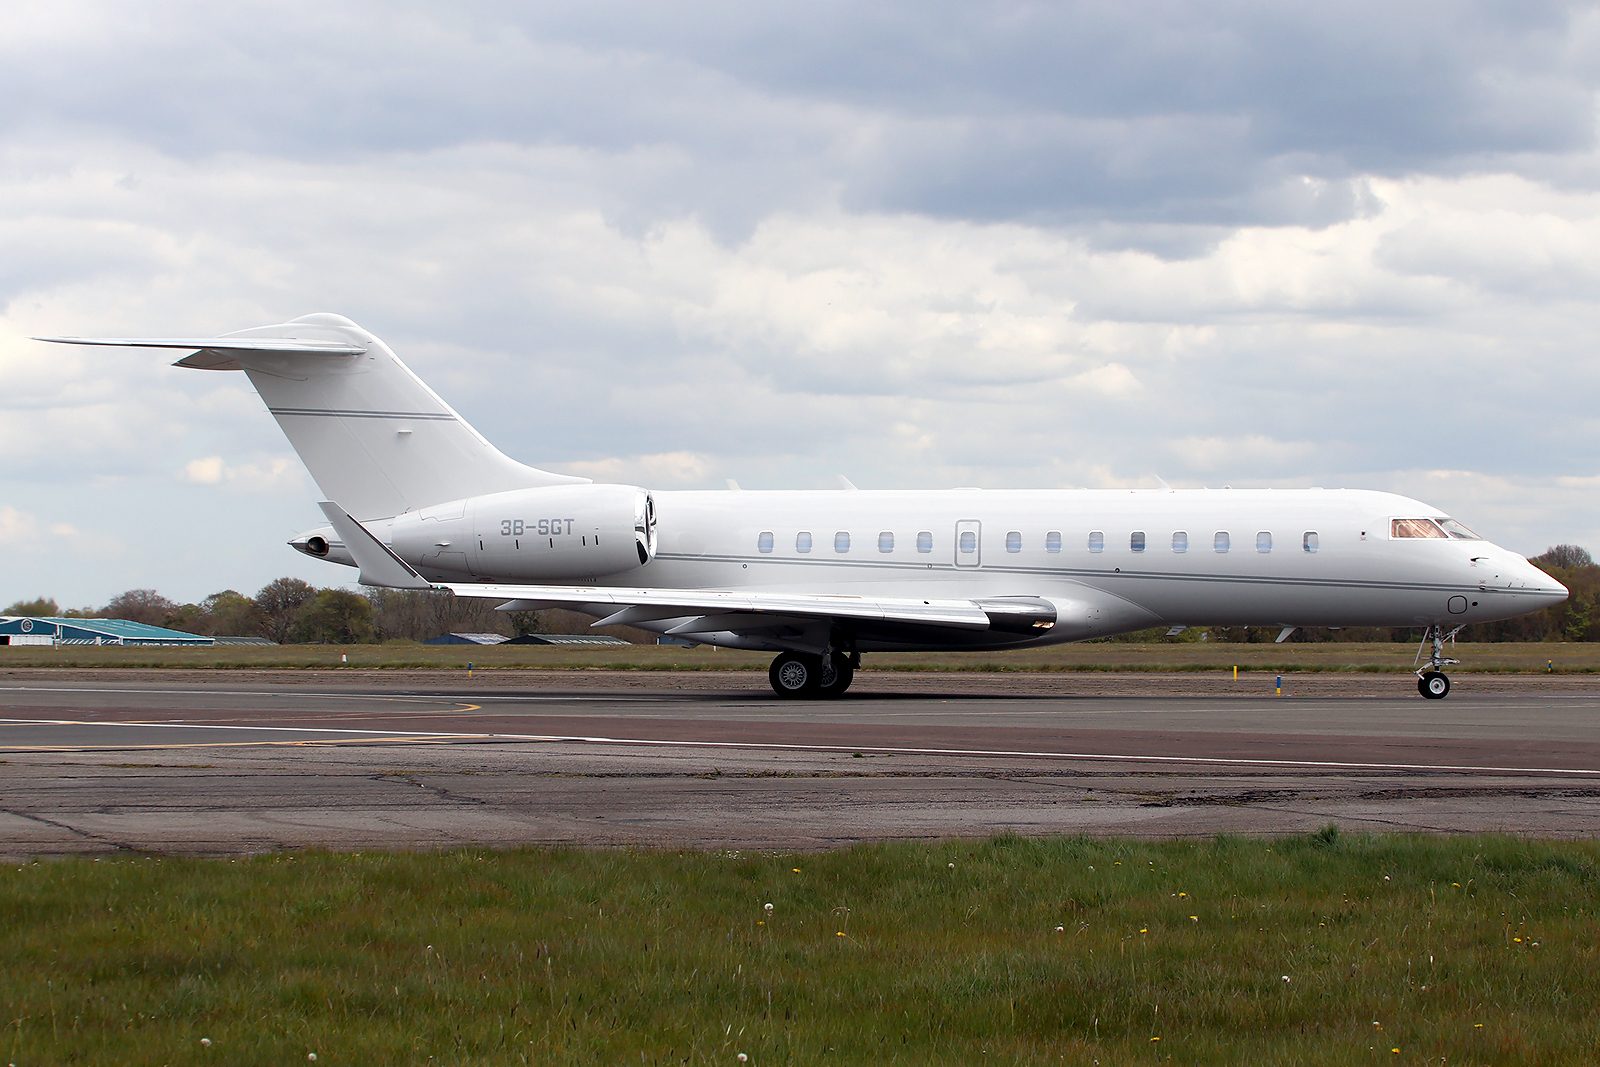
x=418, y=499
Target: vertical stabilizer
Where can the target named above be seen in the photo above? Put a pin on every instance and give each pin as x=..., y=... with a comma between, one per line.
x=372, y=434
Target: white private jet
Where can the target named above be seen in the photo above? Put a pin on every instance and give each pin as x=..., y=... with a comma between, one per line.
x=419, y=499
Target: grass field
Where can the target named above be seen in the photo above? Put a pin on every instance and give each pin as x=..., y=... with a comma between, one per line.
x=1113, y=656
x=1319, y=949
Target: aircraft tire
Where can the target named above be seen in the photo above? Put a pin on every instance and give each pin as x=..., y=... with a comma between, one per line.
x=832, y=684
x=1435, y=685
x=795, y=675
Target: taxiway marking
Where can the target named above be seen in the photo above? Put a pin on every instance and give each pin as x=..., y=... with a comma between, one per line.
x=385, y=736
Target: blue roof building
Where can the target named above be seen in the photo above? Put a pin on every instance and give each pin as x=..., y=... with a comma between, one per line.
x=96, y=632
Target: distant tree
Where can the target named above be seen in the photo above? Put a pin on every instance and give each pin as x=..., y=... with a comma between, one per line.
x=278, y=602
x=232, y=614
x=42, y=606
x=139, y=605
x=524, y=622
x=333, y=616
x=1563, y=556
x=190, y=618
x=416, y=615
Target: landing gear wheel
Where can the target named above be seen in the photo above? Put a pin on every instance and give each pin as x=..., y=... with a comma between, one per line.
x=795, y=675
x=1435, y=685
x=836, y=676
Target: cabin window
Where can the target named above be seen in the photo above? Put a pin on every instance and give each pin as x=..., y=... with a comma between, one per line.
x=886, y=541
x=1014, y=541
x=1415, y=528
x=1136, y=541
x=1220, y=541
x=1052, y=541
x=1308, y=541
x=1097, y=541
x=764, y=541
x=1180, y=541
x=802, y=541
x=924, y=542
x=968, y=542
x=1264, y=541
x=841, y=541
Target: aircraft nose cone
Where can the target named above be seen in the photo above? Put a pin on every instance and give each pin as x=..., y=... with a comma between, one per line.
x=1536, y=583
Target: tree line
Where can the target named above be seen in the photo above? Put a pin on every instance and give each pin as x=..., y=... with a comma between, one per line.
x=290, y=611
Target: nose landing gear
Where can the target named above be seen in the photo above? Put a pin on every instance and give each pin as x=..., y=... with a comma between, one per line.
x=1432, y=682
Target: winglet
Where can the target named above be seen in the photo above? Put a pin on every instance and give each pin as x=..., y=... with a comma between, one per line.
x=379, y=565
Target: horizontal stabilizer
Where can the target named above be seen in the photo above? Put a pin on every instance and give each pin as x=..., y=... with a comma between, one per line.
x=275, y=345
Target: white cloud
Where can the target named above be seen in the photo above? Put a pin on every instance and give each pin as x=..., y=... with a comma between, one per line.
x=661, y=469
x=273, y=472
x=17, y=528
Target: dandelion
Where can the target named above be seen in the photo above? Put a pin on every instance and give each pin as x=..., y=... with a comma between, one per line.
x=839, y=933
x=1518, y=940
x=1477, y=1026
x=1183, y=896
x=796, y=870
x=1395, y=1050
x=1154, y=1039
x=1455, y=885
x=761, y=922
x=1144, y=929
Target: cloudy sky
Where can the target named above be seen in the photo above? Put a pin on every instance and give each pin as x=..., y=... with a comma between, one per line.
x=920, y=244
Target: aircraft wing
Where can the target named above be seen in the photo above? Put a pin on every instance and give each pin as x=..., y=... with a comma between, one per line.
x=722, y=609
x=702, y=610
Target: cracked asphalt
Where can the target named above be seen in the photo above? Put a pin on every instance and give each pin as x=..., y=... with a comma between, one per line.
x=226, y=763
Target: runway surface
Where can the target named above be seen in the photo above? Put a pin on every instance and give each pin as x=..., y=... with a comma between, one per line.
x=209, y=763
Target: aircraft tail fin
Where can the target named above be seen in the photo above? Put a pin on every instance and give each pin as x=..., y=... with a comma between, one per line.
x=372, y=434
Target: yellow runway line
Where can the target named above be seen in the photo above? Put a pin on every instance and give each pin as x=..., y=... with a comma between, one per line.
x=309, y=743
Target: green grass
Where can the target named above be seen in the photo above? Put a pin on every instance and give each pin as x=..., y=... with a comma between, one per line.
x=1489, y=657
x=1479, y=950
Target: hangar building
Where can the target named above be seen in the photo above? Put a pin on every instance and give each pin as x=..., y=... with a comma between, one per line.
x=42, y=631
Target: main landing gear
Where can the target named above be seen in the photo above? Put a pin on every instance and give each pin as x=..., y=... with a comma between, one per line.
x=1432, y=682
x=801, y=676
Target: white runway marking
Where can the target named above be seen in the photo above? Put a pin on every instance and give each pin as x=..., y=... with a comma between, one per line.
x=300, y=694
x=779, y=746
x=137, y=724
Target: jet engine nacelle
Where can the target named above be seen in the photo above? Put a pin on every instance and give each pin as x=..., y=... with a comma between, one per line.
x=561, y=532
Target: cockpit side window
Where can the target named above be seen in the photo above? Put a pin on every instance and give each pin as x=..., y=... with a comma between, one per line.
x=1456, y=530
x=1411, y=528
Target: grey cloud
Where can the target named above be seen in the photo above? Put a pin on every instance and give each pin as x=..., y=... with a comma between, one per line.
x=1203, y=115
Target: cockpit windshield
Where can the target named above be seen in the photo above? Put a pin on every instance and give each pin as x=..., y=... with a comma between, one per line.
x=1415, y=528
x=1438, y=528
x=1456, y=530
